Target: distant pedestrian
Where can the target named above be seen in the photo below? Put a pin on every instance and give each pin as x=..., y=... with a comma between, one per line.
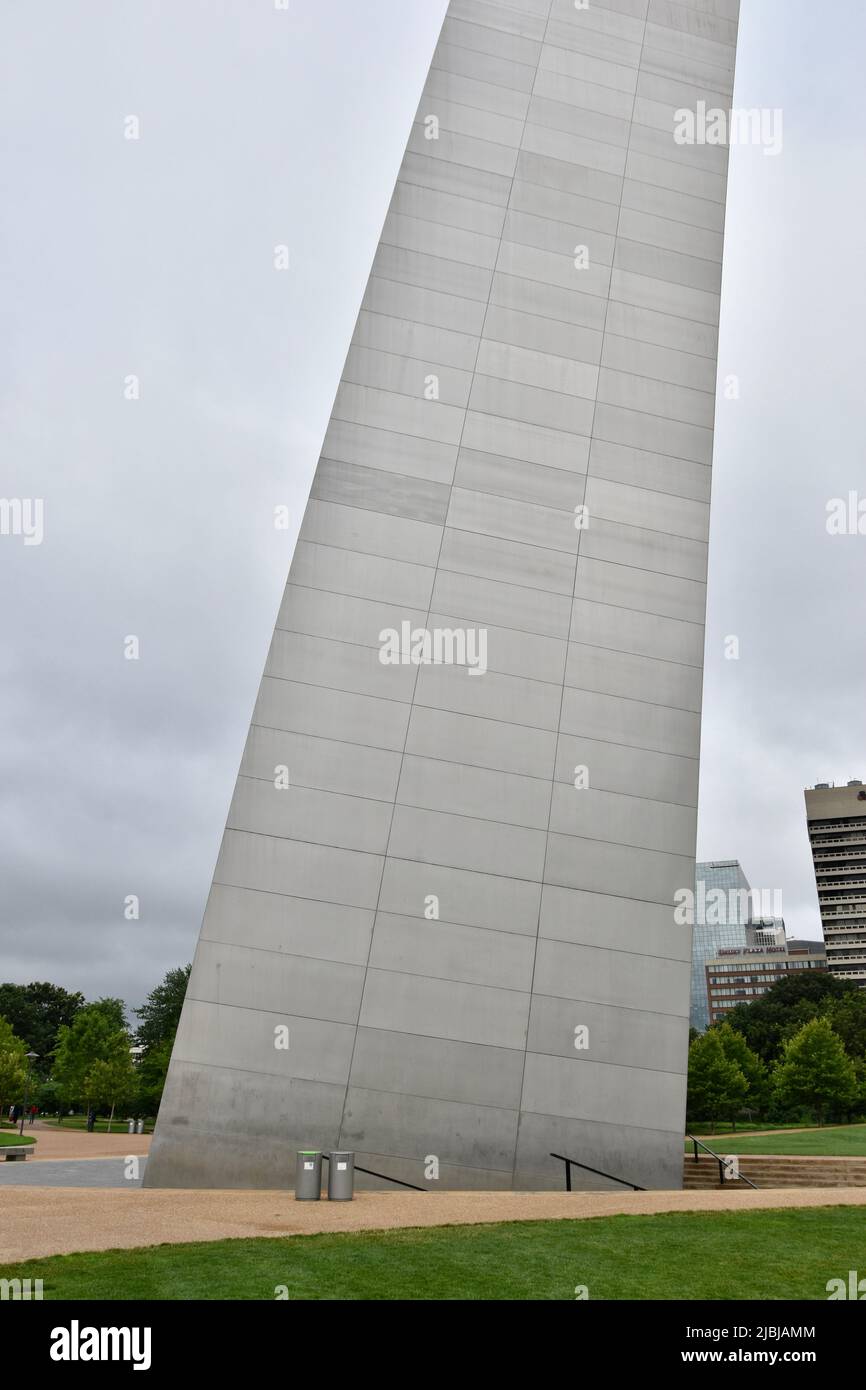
x=34, y=1111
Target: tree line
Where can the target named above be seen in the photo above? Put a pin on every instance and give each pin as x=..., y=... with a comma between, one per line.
x=797, y=1052
x=85, y=1058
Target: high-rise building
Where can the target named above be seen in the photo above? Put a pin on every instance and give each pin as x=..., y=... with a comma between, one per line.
x=740, y=975
x=725, y=929
x=441, y=927
x=836, y=818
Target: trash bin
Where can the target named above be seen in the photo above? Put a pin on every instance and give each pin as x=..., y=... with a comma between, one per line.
x=308, y=1176
x=132, y=1126
x=139, y=1128
x=341, y=1176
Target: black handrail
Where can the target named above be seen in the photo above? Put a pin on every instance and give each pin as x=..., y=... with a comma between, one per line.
x=568, y=1165
x=721, y=1162
x=383, y=1176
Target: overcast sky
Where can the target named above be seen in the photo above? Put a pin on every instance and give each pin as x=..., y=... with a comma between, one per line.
x=154, y=257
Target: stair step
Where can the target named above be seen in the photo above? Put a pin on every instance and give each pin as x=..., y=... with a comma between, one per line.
x=776, y=1171
x=771, y=1170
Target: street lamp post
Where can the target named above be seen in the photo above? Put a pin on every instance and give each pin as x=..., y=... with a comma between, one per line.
x=31, y=1058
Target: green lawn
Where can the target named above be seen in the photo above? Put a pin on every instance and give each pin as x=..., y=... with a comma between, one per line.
x=784, y=1254
x=8, y=1139
x=845, y=1141
x=118, y=1126
x=744, y=1126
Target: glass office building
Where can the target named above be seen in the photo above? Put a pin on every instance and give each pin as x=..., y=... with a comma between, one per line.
x=711, y=938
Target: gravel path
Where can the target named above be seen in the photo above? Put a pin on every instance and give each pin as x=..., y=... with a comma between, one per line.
x=50, y=1221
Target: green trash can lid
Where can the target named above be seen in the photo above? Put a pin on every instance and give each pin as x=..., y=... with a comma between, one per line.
x=309, y=1153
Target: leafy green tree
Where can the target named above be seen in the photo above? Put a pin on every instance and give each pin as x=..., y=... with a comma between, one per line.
x=9, y=1039
x=48, y=1097
x=737, y=1050
x=847, y=1015
x=815, y=1070
x=114, y=1010
x=37, y=1012
x=152, y=1071
x=768, y=1022
x=13, y=1066
x=89, y=1039
x=858, y=1107
x=160, y=1012
x=717, y=1086
x=112, y=1079
x=13, y=1077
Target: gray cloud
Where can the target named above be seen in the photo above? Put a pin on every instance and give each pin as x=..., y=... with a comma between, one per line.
x=155, y=257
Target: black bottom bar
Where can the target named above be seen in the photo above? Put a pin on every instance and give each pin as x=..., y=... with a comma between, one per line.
x=60, y=1337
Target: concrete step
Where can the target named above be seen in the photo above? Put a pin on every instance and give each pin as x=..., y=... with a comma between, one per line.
x=784, y=1170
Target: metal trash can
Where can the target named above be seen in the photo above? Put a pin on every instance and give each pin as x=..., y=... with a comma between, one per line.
x=139, y=1127
x=132, y=1126
x=341, y=1176
x=308, y=1176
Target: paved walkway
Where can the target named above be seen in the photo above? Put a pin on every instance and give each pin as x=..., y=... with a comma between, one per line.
x=56, y=1142
x=72, y=1172
x=766, y=1133
x=50, y=1221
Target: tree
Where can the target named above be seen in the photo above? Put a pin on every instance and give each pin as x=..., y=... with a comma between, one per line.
x=47, y=1096
x=112, y=1078
x=768, y=1022
x=114, y=1010
x=816, y=1071
x=737, y=1050
x=13, y=1076
x=13, y=1065
x=717, y=1086
x=87, y=1040
x=152, y=1070
x=160, y=1012
x=847, y=1016
x=37, y=1012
